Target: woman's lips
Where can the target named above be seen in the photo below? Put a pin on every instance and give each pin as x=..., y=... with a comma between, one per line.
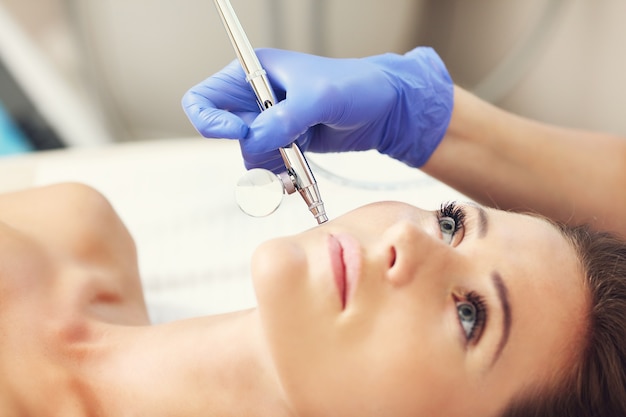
x=345, y=261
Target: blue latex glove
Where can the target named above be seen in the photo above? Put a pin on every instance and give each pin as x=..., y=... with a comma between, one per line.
x=397, y=104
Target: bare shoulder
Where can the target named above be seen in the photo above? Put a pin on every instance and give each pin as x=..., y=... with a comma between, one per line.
x=76, y=228
x=68, y=275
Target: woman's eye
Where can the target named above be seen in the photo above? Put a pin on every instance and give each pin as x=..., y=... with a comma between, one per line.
x=451, y=218
x=448, y=227
x=467, y=317
x=472, y=312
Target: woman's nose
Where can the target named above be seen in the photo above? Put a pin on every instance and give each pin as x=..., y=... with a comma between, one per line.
x=412, y=249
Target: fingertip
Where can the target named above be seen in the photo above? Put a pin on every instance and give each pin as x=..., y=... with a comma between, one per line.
x=213, y=123
x=273, y=129
x=239, y=131
x=229, y=127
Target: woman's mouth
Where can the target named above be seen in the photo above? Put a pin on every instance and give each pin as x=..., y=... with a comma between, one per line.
x=345, y=257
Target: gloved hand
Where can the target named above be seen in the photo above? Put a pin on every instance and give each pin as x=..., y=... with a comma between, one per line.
x=397, y=104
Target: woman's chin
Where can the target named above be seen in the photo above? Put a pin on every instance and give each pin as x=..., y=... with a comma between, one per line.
x=275, y=267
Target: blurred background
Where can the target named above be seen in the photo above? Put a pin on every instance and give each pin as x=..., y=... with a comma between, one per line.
x=85, y=72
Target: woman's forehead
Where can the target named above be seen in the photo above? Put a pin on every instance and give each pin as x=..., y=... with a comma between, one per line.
x=536, y=247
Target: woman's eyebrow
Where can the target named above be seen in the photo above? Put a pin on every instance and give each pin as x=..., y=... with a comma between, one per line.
x=503, y=296
x=483, y=220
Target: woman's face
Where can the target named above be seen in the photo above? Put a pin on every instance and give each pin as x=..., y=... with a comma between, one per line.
x=395, y=311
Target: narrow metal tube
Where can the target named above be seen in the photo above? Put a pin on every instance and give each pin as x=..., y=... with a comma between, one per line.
x=303, y=180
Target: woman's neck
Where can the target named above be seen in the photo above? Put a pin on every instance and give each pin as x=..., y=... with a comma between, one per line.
x=208, y=366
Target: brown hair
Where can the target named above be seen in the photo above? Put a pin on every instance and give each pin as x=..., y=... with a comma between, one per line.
x=596, y=385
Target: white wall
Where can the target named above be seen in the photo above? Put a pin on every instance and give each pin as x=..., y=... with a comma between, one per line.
x=579, y=79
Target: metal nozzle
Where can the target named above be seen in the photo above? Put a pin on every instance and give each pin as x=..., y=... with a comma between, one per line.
x=311, y=196
x=303, y=181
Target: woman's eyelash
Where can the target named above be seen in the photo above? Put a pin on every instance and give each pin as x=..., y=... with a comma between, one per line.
x=453, y=211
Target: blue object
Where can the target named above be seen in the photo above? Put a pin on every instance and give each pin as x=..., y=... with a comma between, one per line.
x=398, y=104
x=12, y=140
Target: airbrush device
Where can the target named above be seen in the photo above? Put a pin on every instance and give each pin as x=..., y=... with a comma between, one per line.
x=298, y=175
